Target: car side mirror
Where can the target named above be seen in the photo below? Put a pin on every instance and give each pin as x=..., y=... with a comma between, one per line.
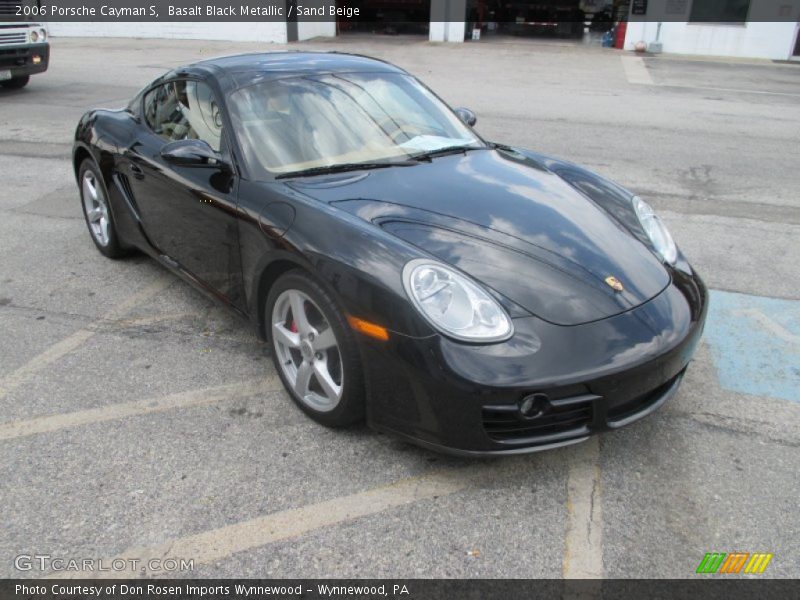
x=467, y=116
x=192, y=153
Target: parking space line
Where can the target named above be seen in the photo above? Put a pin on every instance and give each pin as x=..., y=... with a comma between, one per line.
x=733, y=90
x=216, y=544
x=754, y=342
x=769, y=324
x=636, y=71
x=60, y=349
x=583, y=547
x=197, y=397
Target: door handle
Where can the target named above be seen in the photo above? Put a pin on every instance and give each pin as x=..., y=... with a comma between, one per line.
x=137, y=171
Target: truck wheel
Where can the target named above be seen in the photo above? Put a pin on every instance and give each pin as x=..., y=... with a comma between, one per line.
x=16, y=83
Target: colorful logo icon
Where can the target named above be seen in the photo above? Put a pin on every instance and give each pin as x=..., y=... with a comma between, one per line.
x=734, y=562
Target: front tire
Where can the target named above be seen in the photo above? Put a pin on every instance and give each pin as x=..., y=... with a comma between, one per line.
x=314, y=350
x=96, y=211
x=16, y=83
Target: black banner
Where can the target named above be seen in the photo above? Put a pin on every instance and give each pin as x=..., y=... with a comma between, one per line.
x=520, y=12
x=729, y=588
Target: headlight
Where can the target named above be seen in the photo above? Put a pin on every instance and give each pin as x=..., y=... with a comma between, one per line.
x=42, y=35
x=454, y=304
x=34, y=36
x=656, y=230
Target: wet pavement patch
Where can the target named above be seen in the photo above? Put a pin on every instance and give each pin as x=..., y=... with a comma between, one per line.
x=755, y=344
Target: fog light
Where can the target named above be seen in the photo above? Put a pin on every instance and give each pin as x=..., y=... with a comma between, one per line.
x=533, y=405
x=36, y=59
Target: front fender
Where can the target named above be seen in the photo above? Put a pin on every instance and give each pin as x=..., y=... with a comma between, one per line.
x=610, y=196
x=359, y=263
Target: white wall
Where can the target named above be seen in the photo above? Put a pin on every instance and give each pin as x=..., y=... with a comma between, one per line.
x=311, y=29
x=446, y=31
x=239, y=32
x=751, y=40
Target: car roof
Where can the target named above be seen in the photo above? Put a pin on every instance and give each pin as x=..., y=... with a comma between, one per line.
x=241, y=70
x=288, y=63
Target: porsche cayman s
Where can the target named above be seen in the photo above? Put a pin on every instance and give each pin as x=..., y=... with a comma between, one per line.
x=466, y=295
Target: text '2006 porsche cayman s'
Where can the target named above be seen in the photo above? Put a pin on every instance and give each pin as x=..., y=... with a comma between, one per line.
x=466, y=295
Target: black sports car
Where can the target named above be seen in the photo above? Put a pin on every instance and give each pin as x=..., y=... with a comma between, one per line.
x=468, y=296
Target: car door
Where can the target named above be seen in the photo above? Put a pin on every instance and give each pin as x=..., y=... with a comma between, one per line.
x=188, y=212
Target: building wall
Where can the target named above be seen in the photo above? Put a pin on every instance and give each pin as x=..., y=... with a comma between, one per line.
x=449, y=31
x=447, y=20
x=311, y=29
x=240, y=32
x=751, y=40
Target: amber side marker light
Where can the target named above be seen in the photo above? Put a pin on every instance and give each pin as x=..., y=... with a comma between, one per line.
x=367, y=328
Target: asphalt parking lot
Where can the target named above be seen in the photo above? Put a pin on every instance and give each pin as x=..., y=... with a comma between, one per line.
x=138, y=419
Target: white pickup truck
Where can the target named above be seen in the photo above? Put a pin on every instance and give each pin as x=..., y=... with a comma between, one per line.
x=24, y=50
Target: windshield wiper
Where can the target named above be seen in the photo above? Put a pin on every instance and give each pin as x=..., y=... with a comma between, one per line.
x=340, y=168
x=444, y=151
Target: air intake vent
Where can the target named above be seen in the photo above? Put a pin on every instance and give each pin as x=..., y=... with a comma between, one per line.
x=127, y=193
x=561, y=419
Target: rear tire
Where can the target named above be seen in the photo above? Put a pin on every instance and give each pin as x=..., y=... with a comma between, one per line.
x=314, y=350
x=16, y=83
x=96, y=211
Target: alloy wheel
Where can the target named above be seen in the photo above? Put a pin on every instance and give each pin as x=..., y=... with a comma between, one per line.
x=307, y=350
x=96, y=207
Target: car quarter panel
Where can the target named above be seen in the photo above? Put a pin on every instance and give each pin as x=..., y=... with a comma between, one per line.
x=99, y=135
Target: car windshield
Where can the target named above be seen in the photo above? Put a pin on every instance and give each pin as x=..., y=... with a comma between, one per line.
x=309, y=122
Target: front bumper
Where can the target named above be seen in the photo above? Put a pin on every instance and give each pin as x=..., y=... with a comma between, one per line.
x=26, y=59
x=463, y=399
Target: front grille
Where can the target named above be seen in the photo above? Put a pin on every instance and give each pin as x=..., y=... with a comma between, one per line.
x=639, y=403
x=6, y=39
x=563, y=419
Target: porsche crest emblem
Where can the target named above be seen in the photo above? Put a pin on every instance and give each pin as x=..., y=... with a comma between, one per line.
x=614, y=283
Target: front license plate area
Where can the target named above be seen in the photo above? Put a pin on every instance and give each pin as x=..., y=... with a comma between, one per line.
x=5, y=75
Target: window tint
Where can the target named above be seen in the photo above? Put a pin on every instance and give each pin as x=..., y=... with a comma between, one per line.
x=184, y=110
x=716, y=11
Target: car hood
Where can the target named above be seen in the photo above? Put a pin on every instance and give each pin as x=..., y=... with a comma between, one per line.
x=509, y=223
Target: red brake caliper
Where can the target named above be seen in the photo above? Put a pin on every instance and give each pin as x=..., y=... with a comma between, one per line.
x=293, y=327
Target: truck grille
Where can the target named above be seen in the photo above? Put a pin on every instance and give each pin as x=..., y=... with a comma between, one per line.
x=13, y=57
x=16, y=37
x=9, y=7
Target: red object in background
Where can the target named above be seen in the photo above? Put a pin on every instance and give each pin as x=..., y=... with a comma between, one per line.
x=622, y=27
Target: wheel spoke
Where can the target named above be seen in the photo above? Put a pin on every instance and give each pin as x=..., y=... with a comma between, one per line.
x=329, y=386
x=95, y=214
x=103, y=230
x=91, y=187
x=283, y=336
x=299, y=313
x=304, y=372
x=324, y=340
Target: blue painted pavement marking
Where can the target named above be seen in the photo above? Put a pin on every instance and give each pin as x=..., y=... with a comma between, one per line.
x=755, y=344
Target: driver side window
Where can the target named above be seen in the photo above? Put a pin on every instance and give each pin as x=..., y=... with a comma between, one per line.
x=184, y=110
